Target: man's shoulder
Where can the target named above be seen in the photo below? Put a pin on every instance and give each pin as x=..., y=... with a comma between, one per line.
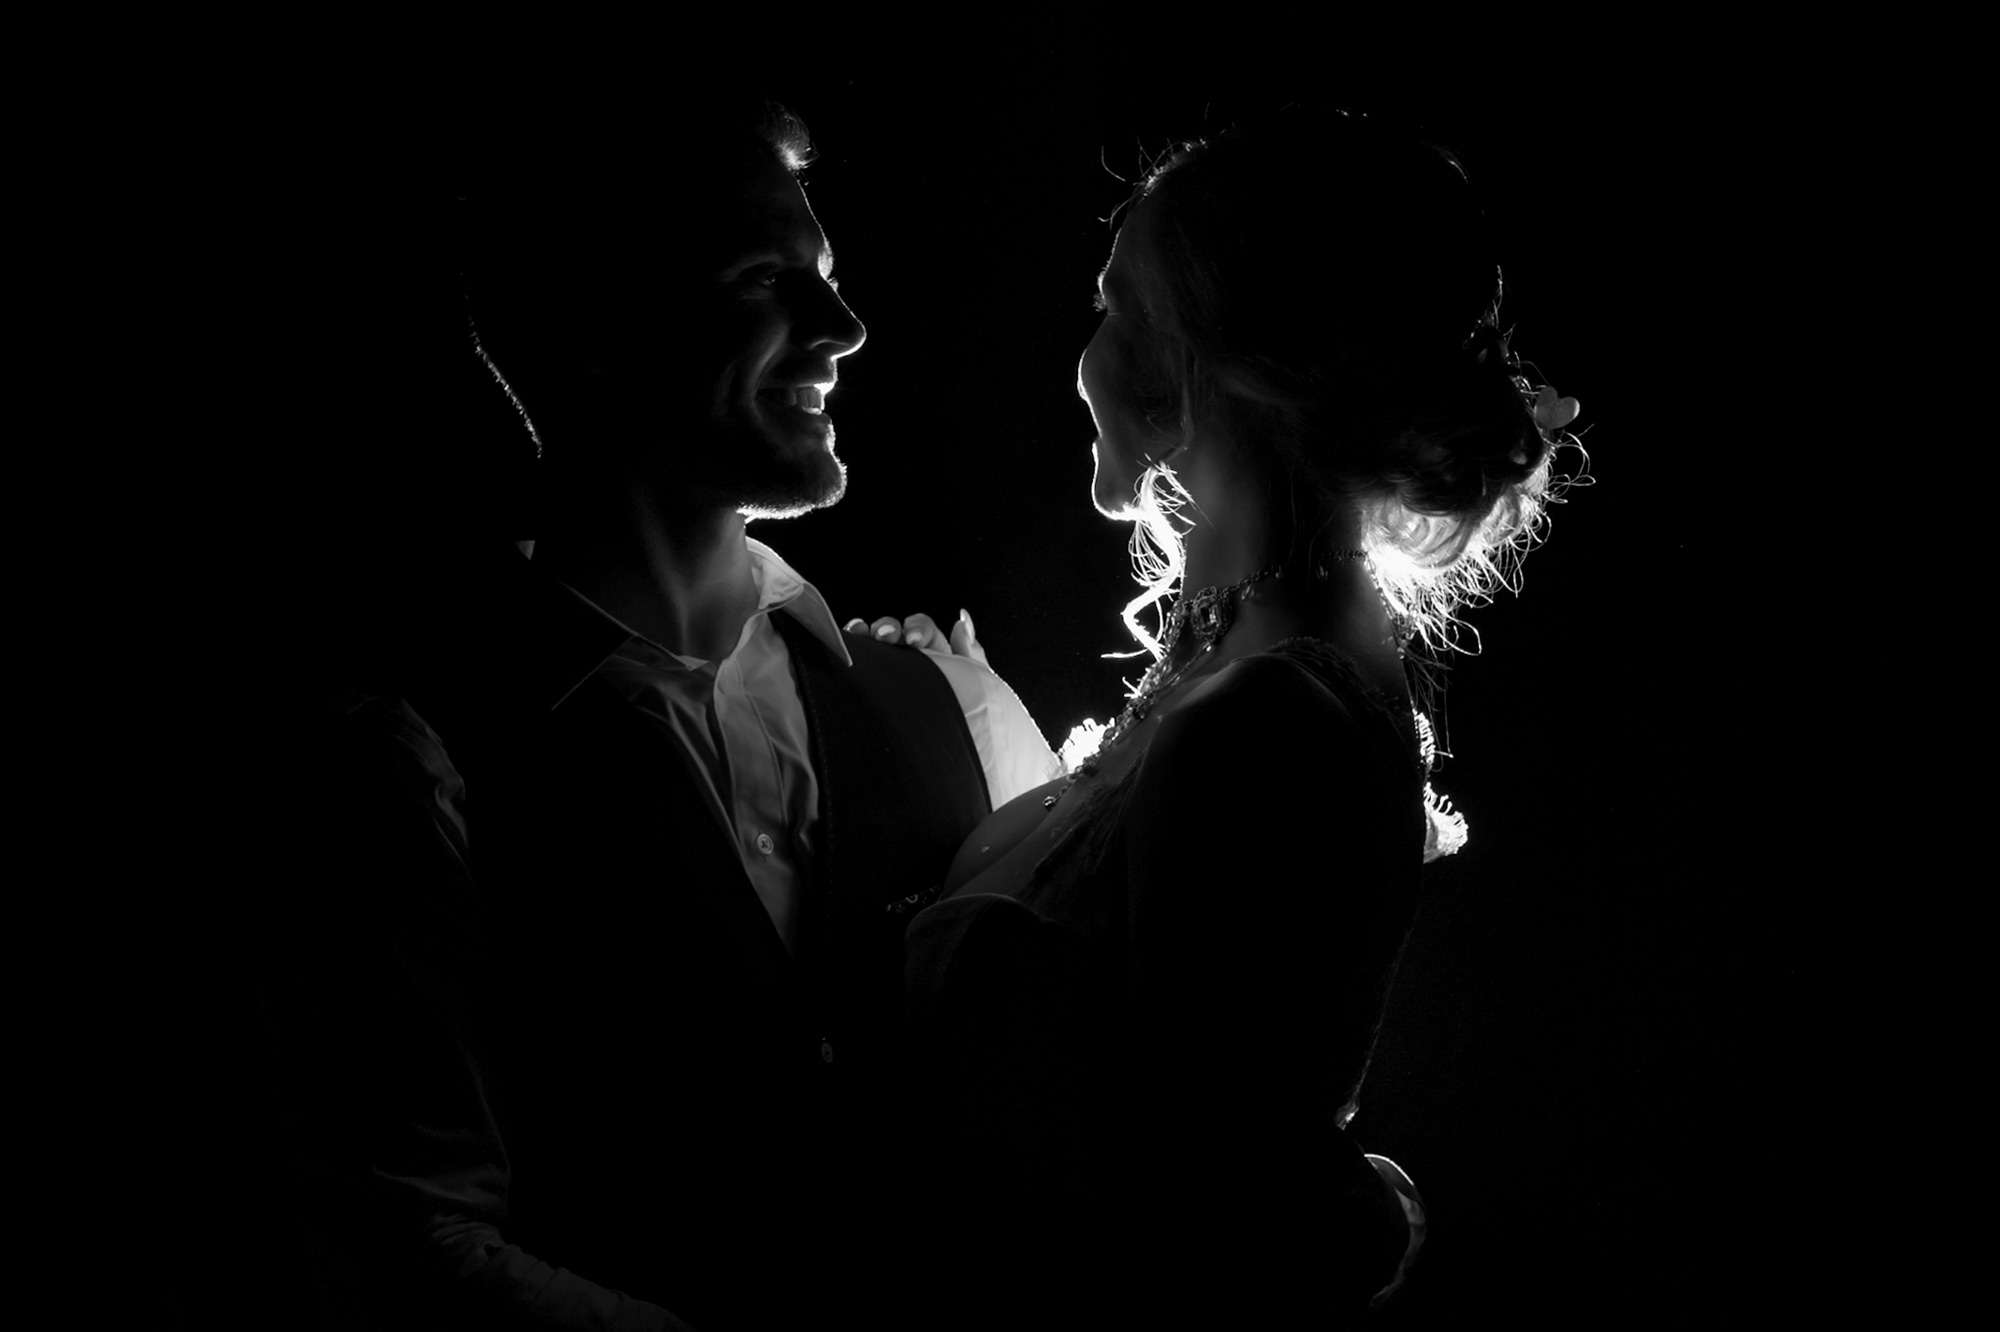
x=364, y=769
x=889, y=698
x=386, y=734
x=869, y=664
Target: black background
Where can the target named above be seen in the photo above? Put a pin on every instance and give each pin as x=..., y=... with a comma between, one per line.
x=1550, y=1071
x=1574, y=1066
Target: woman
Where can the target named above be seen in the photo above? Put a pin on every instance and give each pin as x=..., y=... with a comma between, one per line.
x=1146, y=997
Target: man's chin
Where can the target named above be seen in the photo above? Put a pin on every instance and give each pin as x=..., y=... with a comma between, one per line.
x=815, y=486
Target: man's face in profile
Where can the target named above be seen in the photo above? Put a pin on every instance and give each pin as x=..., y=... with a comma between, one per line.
x=751, y=347
x=780, y=328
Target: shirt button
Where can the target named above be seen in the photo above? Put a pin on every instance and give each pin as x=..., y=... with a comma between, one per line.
x=826, y=1051
x=765, y=844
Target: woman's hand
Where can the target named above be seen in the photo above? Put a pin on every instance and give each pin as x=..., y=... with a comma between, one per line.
x=921, y=631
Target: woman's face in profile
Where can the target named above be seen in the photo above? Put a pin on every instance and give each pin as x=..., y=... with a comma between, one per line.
x=1109, y=375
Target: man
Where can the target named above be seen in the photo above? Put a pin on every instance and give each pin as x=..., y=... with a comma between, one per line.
x=638, y=835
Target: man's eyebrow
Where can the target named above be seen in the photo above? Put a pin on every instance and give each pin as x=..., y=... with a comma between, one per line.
x=782, y=254
x=752, y=258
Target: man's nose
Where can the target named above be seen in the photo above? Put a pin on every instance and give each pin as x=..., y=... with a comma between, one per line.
x=842, y=334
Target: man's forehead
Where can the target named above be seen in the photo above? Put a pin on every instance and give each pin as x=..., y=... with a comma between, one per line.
x=774, y=221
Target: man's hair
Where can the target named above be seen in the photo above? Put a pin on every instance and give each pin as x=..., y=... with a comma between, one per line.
x=562, y=210
x=538, y=184
x=785, y=132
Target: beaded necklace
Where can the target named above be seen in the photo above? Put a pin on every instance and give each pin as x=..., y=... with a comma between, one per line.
x=1209, y=613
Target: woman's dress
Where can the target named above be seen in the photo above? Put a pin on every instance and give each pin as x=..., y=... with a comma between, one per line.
x=1139, y=1063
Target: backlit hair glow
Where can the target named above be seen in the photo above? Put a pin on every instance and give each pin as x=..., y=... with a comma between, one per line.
x=1377, y=369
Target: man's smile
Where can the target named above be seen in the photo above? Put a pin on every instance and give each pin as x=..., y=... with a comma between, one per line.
x=796, y=400
x=805, y=397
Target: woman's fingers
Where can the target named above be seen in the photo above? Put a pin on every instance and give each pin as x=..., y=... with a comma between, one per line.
x=963, y=641
x=921, y=631
x=889, y=629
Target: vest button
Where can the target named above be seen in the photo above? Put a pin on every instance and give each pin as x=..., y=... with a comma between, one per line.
x=826, y=1051
x=765, y=844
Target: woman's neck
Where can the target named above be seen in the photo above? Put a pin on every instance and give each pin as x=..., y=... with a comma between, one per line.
x=1319, y=585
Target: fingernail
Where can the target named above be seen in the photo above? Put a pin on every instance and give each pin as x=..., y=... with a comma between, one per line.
x=886, y=631
x=856, y=623
x=915, y=638
x=966, y=615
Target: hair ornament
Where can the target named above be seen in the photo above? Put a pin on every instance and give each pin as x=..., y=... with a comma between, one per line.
x=1553, y=413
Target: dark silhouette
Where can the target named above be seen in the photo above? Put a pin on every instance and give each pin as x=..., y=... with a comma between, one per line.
x=1148, y=998
x=608, y=834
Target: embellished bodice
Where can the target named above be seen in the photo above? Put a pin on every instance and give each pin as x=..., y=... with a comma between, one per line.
x=1021, y=1000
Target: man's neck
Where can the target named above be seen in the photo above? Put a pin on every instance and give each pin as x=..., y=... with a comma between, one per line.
x=681, y=577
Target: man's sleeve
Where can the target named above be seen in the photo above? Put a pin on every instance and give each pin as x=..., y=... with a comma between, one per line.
x=404, y=1169
x=1012, y=751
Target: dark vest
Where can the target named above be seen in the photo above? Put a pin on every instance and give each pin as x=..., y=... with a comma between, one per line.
x=688, y=1109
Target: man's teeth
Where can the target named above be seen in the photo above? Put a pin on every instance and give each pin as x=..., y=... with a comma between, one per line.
x=808, y=399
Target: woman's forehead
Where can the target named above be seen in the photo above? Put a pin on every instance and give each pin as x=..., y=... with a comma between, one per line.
x=1131, y=250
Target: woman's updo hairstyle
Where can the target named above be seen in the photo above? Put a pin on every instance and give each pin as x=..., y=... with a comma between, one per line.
x=1327, y=281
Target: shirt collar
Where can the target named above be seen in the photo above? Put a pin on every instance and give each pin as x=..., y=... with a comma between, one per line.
x=566, y=636
x=779, y=587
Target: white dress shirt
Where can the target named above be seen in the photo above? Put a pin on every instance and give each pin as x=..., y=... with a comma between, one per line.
x=742, y=729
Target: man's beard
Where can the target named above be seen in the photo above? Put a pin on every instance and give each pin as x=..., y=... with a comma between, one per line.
x=772, y=484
